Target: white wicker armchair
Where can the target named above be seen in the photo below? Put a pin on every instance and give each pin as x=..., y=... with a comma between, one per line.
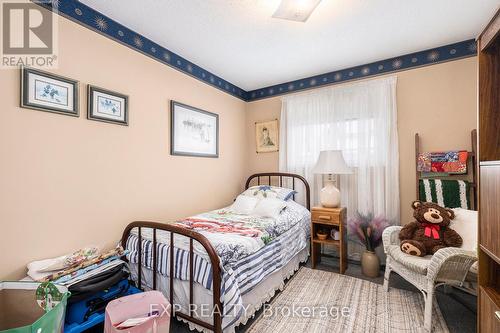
x=447, y=266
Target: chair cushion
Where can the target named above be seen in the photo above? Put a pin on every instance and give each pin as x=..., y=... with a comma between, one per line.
x=474, y=268
x=414, y=263
x=465, y=223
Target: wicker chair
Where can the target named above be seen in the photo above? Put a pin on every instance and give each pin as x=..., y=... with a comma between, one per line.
x=448, y=266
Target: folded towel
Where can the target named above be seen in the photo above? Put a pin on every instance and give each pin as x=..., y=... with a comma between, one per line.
x=37, y=270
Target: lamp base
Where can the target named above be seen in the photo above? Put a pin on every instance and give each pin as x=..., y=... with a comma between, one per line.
x=329, y=195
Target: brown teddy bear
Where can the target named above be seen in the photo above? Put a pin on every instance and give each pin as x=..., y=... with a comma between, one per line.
x=430, y=232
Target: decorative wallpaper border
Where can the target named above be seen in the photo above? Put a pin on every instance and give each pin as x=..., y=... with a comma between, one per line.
x=441, y=54
x=100, y=23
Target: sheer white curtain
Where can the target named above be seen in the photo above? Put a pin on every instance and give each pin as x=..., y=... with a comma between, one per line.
x=361, y=120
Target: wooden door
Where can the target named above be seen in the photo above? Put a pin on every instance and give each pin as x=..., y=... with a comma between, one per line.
x=490, y=208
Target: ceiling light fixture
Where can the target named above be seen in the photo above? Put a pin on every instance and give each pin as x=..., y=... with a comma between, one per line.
x=296, y=10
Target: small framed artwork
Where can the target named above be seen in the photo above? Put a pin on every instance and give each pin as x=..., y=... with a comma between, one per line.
x=267, y=136
x=48, y=92
x=193, y=132
x=107, y=106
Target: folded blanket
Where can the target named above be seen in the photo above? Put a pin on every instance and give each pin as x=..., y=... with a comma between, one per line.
x=87, y=264
x=39, y=269
x=451, y=162
x=445, y=192
x=90, y=271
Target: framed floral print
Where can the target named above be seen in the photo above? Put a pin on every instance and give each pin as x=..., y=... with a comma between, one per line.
x=48, y=92
x=107, y=106
x=267, y=136
x=193, y=132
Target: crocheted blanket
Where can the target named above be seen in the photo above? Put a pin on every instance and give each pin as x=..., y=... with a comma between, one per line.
x=446, y=193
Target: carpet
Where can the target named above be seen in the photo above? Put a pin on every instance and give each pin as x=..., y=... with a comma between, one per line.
x=317, y=301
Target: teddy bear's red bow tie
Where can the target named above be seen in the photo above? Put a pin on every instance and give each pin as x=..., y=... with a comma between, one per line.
x=431, y=229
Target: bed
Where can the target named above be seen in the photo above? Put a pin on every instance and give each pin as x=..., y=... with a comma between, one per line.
x=218, y=268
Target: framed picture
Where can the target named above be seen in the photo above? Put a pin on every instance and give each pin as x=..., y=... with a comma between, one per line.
x=267, y=136
x=193, y=132
x=48, y=92
x=107, y=106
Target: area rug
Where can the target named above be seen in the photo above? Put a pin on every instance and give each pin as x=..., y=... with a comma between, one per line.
x=316, y=301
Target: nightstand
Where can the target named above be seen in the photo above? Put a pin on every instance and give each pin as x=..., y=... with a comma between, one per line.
x=327, y=219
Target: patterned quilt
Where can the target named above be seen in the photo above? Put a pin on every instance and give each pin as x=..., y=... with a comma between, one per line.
x=450, y=162
x=236, y=236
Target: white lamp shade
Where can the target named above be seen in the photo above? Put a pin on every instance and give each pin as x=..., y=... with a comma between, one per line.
x=331, y=162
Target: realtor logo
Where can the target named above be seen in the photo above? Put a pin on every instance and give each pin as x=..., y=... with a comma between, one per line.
x=29, y=34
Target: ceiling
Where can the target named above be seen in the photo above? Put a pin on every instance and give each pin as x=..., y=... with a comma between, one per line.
x=241, y=42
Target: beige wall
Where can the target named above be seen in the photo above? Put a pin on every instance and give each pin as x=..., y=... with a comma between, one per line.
x=439, y=102
x=68, y=182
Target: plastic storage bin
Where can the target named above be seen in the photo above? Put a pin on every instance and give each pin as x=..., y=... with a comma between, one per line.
x=135, y=306
x=20, y=312
x=89, y=312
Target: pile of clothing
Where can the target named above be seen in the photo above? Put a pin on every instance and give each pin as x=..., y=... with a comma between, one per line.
x=70, y=270
x=94, y=279
x=83, y=272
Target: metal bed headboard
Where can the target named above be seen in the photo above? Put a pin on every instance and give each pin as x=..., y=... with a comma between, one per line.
x=282, y=176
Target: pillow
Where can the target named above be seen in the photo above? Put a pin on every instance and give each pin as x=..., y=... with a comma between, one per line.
x=244, y=204
x=269, y=207
x=266, y=191
x=465, y=223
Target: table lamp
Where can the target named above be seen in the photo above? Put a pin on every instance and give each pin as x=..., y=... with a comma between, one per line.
x=330, y=162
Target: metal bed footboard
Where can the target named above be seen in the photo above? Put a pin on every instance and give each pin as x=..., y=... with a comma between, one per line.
x=214, y=261
x=212, y=254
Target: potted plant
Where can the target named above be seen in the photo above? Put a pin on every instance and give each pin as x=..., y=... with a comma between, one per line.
x=322, y=234
x=367, y=230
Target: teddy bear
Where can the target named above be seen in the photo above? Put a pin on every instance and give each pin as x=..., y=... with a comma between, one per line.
x=430, y=232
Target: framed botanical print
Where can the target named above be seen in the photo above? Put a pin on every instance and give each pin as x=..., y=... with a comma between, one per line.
x=267, y=136
x=193, y=132
x=107, y=106
x=48, y=92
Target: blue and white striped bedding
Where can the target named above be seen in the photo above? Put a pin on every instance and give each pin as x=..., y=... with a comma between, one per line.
x=238, y=277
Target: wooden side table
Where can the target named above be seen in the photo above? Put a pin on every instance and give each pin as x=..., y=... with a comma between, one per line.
x=327, y=219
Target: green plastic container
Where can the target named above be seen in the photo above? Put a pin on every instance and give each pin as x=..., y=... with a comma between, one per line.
x=21, y=313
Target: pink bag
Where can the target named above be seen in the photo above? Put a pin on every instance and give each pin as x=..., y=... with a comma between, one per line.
x=136, y=306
